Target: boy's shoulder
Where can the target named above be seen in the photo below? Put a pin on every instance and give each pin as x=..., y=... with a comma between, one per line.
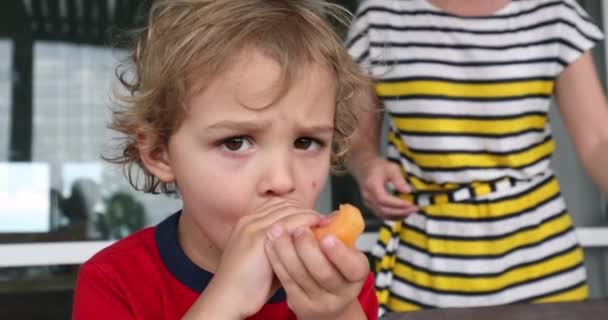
x=138, y=241
x=136, y=250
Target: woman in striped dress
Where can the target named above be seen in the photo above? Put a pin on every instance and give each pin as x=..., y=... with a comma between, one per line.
x=479, y=218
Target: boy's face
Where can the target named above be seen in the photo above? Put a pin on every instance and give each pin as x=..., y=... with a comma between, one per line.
x=233, y=152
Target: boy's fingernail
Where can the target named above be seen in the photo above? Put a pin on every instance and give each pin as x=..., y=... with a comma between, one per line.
x=275, y=232
x=328, y=241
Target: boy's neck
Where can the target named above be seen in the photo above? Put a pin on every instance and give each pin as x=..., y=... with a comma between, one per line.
x=470, y=8
x=190, y=238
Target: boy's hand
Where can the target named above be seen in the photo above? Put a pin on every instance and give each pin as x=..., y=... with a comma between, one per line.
x=322, y=279
x=243, y=282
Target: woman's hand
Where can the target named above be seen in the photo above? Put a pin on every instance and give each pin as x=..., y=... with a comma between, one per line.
x=374, y=176
x=322, y=279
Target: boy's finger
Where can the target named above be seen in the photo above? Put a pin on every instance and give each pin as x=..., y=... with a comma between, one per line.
x=289, y=218
x=353, y=265
x=285, y=251
x=315, y=261
x=290, y=286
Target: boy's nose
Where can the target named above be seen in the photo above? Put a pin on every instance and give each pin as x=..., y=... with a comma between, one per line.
x=278, y=178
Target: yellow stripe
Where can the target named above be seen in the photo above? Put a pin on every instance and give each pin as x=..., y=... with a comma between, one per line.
x=384, y=234
x=471, y=126
x=386, y=263
x=397, y=305
x=465, y=90
x=454, y=160
x=466, y=284
x=578, y=293
x=422, y=185
x=496, y=209
x=394, y=303
x=383, y=296
x=481, y=188
x=485, y=247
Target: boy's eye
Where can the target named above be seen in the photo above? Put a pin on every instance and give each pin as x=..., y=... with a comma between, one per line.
x=237, y=143
x=306, y=143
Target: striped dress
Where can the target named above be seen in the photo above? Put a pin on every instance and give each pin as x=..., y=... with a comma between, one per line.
x=468, y=99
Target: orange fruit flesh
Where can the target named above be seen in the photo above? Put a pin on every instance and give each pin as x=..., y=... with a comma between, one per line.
x=346, y=224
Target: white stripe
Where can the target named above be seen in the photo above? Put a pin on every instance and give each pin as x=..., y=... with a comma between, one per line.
x=588, y=28
x=388, y=54
x=462, y=194
x=486, y=229
x=447, y=143
x=482, y=266
x=497, y=72
x=441, y=37
x=507, y=296
x=473, y=108
x=447, y=21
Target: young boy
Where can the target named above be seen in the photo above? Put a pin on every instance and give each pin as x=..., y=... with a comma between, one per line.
x=240, y=106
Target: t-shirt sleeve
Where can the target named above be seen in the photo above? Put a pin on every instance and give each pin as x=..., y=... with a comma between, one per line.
x=357, y=41
x=97, y=297
x=578, y=33
x=368, y=299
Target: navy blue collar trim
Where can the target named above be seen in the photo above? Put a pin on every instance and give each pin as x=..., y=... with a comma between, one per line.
x=180, y=266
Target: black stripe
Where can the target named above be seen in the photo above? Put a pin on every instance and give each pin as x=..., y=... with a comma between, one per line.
x=478, y=31
x=481, y=152
x=396, y=277
x=471, y=63
x=473, y=46
x=514, y=196
x=489, y=117
x=467, y=81
x=487, y=238
x=469, y=99
x=571, y=7
x=471, y=134
x=437, y=13
x=356, y=38
x=488, y=274
x=362, y=57
x=485, y=256
x=548, y=179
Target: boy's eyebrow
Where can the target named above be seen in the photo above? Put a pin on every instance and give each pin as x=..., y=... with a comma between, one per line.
x=319, y=129
x=237, y=125
x=250, y=126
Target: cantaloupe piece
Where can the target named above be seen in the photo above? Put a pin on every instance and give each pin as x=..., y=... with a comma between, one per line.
x=346, y=224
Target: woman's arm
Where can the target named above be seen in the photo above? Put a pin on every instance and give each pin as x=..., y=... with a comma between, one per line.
x=583, y=108
x=366, y=144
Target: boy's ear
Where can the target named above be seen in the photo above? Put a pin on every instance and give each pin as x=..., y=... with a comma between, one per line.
x=155, y=159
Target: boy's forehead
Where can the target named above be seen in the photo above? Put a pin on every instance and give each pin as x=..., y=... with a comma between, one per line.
x=255, y=80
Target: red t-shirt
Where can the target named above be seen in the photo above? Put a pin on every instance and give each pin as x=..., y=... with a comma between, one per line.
x=147, y=276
